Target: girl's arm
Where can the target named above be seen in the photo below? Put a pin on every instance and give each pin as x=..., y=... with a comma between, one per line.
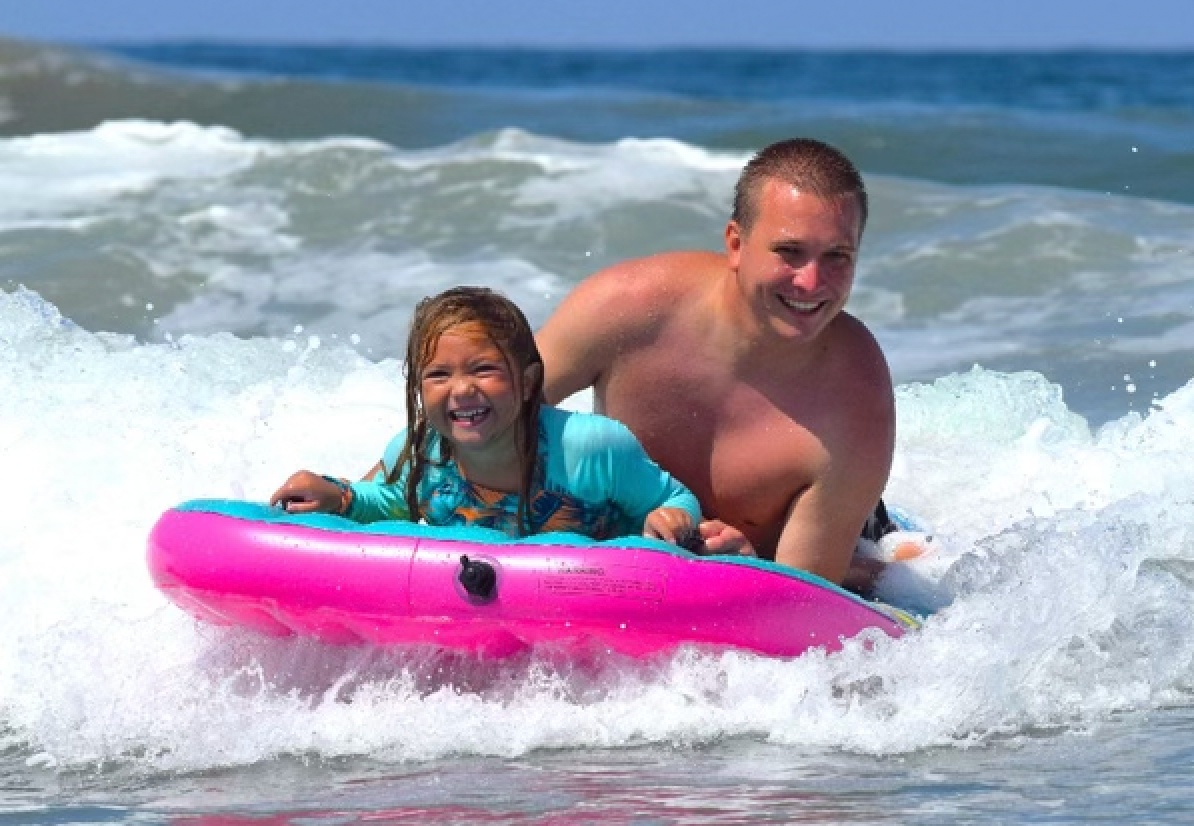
x=644, y=489
x=610, y=463
x=373, y=498
x=377, y=501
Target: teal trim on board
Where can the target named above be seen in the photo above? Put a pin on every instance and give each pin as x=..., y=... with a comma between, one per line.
x=258, y=512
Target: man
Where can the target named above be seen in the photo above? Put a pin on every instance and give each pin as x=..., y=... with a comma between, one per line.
x=739, y=371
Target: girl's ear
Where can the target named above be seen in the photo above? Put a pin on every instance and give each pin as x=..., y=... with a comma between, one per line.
x=532, y=378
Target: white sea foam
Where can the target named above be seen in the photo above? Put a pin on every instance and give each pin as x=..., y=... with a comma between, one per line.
x=80, y=171
x=1062, y=575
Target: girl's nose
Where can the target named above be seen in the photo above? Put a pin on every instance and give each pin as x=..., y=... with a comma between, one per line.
x=464, y=386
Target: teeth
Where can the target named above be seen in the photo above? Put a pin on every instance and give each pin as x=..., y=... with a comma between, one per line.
x=800, y=306
x=471, y=415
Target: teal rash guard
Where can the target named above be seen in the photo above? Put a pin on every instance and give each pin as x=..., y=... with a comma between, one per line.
x=594, y=479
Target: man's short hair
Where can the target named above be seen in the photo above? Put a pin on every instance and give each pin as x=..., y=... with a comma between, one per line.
x=804, y=163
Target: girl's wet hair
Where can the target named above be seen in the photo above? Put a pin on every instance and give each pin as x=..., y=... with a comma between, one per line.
x=506, y=326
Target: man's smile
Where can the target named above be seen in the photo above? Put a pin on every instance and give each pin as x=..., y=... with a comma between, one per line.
x=801, y=306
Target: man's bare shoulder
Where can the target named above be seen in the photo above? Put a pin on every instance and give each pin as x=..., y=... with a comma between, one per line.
x=616, y=311
x=654, y=276
x=861, y=358
x=865, y=414
x=634, y=297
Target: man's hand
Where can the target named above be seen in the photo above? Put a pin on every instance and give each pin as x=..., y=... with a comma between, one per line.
x=863, y=575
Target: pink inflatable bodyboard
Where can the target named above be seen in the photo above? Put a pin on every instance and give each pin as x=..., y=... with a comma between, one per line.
x=474, y=590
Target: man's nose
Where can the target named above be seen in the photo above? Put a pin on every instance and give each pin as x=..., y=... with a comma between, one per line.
x=808, y=276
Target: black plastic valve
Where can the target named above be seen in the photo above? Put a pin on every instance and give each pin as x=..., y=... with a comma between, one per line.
x=478, y=577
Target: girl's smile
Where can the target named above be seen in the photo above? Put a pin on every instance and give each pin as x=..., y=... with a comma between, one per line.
x=471, y=416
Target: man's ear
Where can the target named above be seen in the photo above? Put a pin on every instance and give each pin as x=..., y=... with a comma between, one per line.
x=733, y=244
x=532, y=381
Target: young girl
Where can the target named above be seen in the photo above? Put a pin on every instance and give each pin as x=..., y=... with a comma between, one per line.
x=481, y=448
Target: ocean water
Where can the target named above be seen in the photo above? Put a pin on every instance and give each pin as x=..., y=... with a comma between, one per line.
x=208, y=257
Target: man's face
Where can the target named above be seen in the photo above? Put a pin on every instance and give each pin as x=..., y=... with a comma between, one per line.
x=795, y=266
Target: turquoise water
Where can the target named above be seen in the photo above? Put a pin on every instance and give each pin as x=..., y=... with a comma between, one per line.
x=208, y=257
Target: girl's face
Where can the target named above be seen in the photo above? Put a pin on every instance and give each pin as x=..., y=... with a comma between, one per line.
x=470, y=395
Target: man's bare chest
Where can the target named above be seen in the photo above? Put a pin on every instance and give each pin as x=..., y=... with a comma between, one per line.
x=743, y=451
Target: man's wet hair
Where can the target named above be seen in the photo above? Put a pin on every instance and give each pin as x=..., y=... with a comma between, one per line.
x=804, y=163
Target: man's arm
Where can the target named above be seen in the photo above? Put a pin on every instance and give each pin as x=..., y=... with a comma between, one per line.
x=824, y=521
x=580, y=339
